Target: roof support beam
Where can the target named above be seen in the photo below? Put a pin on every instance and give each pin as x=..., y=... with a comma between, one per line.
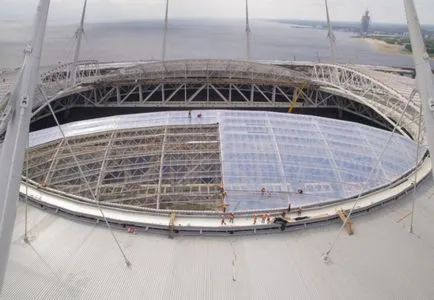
x=241, y=93
x=103, y=166
x=14, y=146
x=129, y=94
x=248, y=31
x=53, y=163
x=196, y=93
x=151, y=93
x=79, y=36
x=174, y=92
x=166, y=24
x=330, y=35
x=219, y=93
x=424, y=76
x=161, y=168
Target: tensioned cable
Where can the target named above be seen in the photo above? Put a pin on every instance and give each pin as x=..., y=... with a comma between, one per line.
x=415, y=173
x=327, y=253
x=89, y=48
x=68, y=47
x=127, y=262
x=26, y=236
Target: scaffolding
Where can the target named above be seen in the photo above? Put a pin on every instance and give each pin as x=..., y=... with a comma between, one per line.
x=173, y=161
x=163, y=167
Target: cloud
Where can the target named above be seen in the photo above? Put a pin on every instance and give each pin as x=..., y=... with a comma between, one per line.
x=68, y=11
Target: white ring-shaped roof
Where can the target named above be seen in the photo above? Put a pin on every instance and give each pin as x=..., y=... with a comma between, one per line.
x=283, y=153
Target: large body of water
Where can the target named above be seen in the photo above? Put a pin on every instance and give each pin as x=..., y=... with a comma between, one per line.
x=192, y=39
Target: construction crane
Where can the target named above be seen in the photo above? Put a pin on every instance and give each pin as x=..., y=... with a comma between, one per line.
x=297, y=96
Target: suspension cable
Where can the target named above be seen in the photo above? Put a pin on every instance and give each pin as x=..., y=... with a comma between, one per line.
x=325, y=256
x=127, y=262
x=415, y=173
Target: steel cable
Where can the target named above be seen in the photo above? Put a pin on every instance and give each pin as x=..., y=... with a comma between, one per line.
x=392, y=134
x=415, y=173
x=127, y=262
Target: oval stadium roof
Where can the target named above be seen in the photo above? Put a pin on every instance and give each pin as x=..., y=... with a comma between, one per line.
x=245, y=150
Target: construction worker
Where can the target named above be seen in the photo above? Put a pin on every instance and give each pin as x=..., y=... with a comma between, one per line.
x=254, y=219
x=231, y=218
x=268, y=219
x=299, y=210
x=225, y=207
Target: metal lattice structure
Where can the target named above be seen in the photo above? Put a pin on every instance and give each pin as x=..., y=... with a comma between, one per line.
x=377, y=96
x=195, y=84
x=231, y=84
x=329, y=160
x=163, y=167
x=121, y=167
x=59, y=74
x=363, y=88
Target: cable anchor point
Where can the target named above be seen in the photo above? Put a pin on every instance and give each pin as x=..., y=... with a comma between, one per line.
x=325, y=257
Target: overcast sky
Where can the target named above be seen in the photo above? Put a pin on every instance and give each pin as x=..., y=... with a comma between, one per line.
x=67, y=11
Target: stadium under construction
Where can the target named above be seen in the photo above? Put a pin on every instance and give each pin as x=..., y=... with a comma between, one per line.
x=210, y=152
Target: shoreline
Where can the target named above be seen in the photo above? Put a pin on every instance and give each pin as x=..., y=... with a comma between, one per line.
x=383, y=47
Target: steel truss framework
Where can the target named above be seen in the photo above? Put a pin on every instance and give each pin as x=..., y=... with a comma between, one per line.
x=208, y=95
x=59, y=74
x=225, y=84
x=228, y=84
x=164, y=167
x=115, y=163
x=353, y=84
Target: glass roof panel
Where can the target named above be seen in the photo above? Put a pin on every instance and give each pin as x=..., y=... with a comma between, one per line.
x=282, y=153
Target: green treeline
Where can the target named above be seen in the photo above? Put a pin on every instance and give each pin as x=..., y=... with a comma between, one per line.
x=404, y=41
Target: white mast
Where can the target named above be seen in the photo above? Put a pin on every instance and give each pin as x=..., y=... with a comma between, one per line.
x=79, y=36
x=331, y=36
x=247, y=31
x=14, y=145
x=424, y=76
x=166, y=23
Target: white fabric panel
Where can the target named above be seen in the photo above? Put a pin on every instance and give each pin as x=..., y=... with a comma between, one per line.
x=328, y=159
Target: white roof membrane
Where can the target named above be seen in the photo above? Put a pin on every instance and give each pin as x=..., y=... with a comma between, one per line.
x=328, y=159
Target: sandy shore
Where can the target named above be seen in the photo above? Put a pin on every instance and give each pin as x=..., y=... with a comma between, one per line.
x=384, y=47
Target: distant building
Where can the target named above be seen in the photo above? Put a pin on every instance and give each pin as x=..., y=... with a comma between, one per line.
x=364, y=26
